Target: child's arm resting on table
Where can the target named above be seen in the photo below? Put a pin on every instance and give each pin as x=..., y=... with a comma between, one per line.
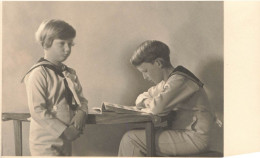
x=174, y=92
x=146, y=97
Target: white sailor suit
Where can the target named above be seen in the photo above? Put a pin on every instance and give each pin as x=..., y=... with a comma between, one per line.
x=50, y=108
x=184, y=94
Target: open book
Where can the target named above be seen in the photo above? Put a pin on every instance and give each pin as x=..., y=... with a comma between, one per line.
x=106, y=106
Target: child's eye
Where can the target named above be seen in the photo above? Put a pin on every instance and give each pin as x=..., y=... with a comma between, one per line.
x=61, y=43
x=72, y=44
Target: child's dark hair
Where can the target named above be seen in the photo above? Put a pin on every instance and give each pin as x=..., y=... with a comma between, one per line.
x=150, y=50
x=53, y=29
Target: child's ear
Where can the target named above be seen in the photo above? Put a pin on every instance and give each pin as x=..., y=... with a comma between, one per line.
x=159, y=62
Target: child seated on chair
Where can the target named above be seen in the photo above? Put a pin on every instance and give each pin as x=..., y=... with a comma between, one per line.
x=57, y=106
x=178, y=90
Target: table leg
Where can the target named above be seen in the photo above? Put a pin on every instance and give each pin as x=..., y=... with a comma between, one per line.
x=150, y=139
x=18, y=137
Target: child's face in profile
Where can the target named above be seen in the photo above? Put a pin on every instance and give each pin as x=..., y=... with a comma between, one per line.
x=151, y=72
x=60, y=49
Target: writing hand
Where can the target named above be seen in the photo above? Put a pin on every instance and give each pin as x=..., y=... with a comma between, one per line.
x=143, y=104
x=140, y=106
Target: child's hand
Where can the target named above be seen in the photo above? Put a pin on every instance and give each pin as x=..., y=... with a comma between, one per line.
x=71, y=133
x=79, y=120
x=143, y=104
x=140, y=106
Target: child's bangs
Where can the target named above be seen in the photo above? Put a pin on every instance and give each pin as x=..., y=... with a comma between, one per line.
x=66, y=34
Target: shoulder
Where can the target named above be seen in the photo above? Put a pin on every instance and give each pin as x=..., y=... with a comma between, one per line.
x=187, y=74
x=178, y=80
x=36, y=74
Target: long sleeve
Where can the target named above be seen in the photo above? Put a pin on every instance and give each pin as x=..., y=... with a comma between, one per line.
x=150, y=94
x=83, y=100
x=164, y=98
x=36, y=87
x=76, y=89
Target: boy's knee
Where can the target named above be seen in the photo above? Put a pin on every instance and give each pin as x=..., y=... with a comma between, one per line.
x=126, y=137
x=125, y=144
x=129, y=135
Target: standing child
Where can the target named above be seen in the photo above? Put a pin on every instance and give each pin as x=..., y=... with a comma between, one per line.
x=57, y=106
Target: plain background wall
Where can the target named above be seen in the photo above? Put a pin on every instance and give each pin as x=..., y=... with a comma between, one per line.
x=107, y=35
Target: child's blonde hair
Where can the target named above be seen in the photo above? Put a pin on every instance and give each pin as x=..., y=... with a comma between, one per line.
x=53, y=29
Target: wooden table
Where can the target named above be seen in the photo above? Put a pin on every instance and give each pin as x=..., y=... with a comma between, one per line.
x=147, y=121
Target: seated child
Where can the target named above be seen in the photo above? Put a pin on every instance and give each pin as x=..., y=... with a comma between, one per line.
x=57, y=106
x=178, y=90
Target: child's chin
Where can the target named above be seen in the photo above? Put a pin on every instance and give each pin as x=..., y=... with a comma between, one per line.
x=64, y=59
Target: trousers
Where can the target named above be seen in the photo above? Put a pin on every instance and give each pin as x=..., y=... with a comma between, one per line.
x=167, y=143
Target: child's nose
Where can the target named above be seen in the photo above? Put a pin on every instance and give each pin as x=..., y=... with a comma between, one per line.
x=67, y=47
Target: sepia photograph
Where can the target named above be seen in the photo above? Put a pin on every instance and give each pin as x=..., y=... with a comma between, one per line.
x=113, y=78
